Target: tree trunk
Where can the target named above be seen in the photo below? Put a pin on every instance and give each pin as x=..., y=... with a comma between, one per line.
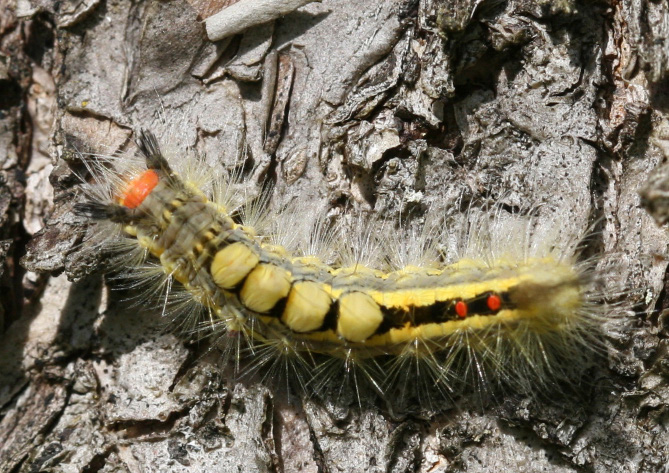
x=382, y=106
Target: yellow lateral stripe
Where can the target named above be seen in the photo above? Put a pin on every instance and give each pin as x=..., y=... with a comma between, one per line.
x=423, y=297
x=431, y=331
x=426, y=297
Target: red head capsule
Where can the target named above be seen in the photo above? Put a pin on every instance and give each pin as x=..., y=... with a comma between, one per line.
x=494, y=302
x=461, y=309
x=139, y=188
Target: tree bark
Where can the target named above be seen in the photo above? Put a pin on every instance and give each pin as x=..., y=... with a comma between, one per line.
x=382, y=106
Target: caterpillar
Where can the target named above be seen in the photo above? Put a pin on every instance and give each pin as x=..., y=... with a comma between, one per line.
x=493, y=315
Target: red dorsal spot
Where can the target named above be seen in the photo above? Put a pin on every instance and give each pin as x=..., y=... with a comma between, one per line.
x=461, y=309
x=494, y=302
x=139, y=188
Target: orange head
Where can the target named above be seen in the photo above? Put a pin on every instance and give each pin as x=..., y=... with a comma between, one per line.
x=138, y=189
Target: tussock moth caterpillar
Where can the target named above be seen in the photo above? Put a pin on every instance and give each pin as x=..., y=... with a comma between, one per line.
x=494, y=315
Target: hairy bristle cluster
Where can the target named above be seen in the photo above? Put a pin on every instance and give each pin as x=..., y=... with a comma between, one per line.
x=514, y=308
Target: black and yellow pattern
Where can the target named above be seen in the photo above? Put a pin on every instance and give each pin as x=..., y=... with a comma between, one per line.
x=224, y=265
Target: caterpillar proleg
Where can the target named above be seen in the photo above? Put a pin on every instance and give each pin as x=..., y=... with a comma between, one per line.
x=494, y=315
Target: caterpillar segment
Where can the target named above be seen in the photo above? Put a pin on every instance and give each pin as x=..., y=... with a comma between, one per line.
x=228, y=270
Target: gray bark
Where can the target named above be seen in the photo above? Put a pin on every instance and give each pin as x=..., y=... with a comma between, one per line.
x=385, y=105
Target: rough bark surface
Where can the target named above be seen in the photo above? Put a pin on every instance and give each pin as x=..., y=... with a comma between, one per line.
x=381, y=105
